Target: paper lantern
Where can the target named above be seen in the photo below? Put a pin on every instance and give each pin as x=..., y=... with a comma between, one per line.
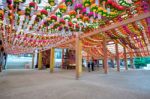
x=1, y=14
x=62, y=21
x=94, y=7
x=78, y=7
x=79, y=17
x=62, y=8
x=85, y=19
x=87, y=3
x=51, y=2
x=69, y=2
x=33, y=5
x=72, y=13
x=44, y=13
x=27, y=11
x=54, y=18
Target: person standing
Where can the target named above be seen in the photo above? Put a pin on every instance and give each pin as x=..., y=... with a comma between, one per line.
x=89, y=66
x=92, y=65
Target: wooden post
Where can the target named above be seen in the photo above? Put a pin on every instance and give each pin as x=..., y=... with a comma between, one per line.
x=125, y=59
x=40, y=61
x=117, y=57
x=52, y=59
x=33, y=55
x=78, y=57
x=105, y=56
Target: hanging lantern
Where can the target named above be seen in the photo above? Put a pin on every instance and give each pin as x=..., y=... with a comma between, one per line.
x=62, y=21
x=59, y=15
x=67, y=18
x=69, y=2
x=51, y=2
x=94, y=7
x=85, y=19
x=1, y=14
x=56, y=25
x=33, y=5
x=100, y=10
x=48, y=8
x=78, y=8
x=87, y=3
x=53, y=18
x=44, y=13
x=27, y=11
x=72, y=13
x=62, y=8
x=79, y=17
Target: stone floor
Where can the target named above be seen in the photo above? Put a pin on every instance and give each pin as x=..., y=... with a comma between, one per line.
x=34, y=84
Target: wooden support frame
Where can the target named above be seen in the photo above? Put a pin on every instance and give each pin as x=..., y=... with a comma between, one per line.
x=117, y=57
x=40, y=61
x=52, y=60
x=105, y=64
x=78, y=56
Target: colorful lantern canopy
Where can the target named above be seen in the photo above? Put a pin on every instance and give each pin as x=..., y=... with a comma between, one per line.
x=72, y=13
x=62, y=8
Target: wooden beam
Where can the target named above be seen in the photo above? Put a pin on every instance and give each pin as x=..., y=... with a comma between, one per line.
x=118, y=24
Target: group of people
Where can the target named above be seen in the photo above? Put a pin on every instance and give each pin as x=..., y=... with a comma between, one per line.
x=90, y=66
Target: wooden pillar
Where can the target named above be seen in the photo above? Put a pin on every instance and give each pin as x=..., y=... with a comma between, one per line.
x=125, y=59
x=105, y=56
x=117, y=57
x=40, y=61
x=52, y=60
x=33, y=55
x=78, y=57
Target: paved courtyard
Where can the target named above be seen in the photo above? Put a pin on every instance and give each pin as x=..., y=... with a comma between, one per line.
x=34, y=84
